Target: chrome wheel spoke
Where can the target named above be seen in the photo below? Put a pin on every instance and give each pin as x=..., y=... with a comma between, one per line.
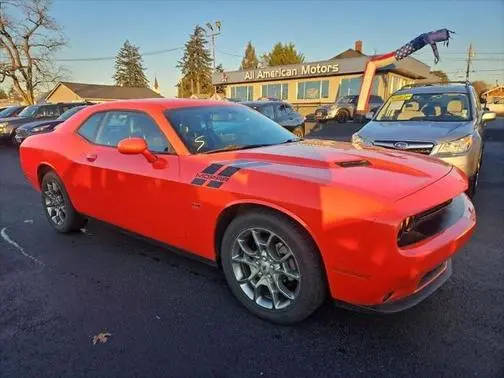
x=265, y=268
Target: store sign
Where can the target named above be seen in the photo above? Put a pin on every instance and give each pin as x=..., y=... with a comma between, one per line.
x=302, y=70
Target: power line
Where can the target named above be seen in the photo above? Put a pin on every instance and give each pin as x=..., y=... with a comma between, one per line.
x=230, y=54
x=157, y=52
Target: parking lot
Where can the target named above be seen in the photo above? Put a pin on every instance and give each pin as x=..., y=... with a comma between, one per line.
x=172, y=316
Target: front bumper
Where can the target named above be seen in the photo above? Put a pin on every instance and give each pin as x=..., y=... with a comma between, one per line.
x=437, y=279
x=324, y=114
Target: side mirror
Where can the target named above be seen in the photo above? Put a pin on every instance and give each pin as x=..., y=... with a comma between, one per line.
x=135, y=146
x=370, y=115
x=488, y=116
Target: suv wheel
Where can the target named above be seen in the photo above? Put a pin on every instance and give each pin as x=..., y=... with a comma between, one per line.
x=272, y=267
x=342, y=116
x=474, y=182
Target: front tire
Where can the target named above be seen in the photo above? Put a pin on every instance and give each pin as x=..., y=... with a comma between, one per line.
x=299, y=132
x=342, y=116
x=273, y=267
x=57, y=205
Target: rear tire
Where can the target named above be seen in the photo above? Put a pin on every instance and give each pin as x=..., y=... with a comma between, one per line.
x=280, y=271
x=57, y=205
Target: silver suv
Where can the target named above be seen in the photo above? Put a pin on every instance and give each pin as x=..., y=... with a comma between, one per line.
x=444, y=120
x=344, y=108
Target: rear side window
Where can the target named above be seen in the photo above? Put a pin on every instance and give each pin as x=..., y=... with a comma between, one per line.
x=89, y=128
x=48, y=111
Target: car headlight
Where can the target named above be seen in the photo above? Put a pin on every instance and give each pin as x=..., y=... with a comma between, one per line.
x=39, y=129
x=457, y=146
x=360, y=142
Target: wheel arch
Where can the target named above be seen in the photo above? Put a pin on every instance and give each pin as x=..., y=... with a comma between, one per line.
x=235, y=209
x=42, y=169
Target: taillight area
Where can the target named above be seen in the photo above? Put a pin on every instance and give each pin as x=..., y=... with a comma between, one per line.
x=428, y=223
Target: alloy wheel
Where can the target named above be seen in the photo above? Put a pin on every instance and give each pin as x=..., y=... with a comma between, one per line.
x=54, y=202
x=265, y=268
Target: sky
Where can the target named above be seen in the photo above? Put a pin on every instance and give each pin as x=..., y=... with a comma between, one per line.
x=319, y=29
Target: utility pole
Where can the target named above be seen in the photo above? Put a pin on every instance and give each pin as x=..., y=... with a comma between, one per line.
x=212, y=31
x=470, y=55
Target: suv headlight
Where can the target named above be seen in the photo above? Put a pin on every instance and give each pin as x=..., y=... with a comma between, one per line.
x=458, y=146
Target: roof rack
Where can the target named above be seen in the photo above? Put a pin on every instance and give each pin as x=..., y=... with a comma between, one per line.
x=431, y=83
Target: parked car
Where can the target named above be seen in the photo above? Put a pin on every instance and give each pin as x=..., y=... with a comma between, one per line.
x=29, y=114
x=446, y=121
x=11, y=111
x=280, y=112
x=44, y=126
x=344, y=108
x=288, y=221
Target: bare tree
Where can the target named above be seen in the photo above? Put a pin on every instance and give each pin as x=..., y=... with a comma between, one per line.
x=27, y=46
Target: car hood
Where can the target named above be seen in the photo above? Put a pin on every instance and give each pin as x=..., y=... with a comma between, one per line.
x=32, y=125
x=381, y=173
x=415, y=131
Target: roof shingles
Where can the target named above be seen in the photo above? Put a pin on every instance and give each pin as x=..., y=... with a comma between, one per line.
x=109, y=92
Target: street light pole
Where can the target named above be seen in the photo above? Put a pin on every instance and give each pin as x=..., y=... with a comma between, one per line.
x=212, y=32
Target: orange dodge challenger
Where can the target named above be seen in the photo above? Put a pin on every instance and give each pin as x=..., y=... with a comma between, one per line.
x=288, y=220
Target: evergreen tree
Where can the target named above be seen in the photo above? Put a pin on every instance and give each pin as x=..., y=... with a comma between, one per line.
x=196, y=65
x=282, y=54
x=129, y=69
x=441, y=74
x=250, y=60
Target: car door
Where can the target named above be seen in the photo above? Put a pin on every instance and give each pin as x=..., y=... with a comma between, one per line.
x=127, y=190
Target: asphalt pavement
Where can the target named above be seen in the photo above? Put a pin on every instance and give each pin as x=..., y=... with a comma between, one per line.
x=171, y=316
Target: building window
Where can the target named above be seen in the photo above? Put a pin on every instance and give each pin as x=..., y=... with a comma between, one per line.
x=280, y=91
x=351, y=87
x=313, y=90
x=242, y=92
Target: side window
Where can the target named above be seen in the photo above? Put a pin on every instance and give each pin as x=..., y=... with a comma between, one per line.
x=476, y=99
x=281, y=111
x=48, y=111
x=118, y=125
x=89, y=128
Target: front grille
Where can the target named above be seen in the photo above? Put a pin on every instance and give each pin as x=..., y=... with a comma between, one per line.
x=321, y=113
x=432, y=221
x=424, y=148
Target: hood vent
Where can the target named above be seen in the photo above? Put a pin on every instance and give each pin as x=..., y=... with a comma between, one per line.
x=354, y=163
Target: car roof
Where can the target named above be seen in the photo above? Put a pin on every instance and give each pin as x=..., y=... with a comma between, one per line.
x=435, y=88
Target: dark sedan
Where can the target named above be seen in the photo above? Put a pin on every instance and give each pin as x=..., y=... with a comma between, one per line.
x=282, y=113
x=43, y=112
x=44, y=126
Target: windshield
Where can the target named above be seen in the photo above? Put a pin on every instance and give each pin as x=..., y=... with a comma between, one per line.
x=7, y=112
x=210, y=128
x=346, y=100
x=29, y=111
x=70, y=112
x=440, y=107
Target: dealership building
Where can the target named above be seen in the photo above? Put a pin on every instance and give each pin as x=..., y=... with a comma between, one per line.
x=308, y=85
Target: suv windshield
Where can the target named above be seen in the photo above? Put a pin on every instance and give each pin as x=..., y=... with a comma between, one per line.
x=437, y=107
x=346, y=100
x=29, y=111
x=219, y=128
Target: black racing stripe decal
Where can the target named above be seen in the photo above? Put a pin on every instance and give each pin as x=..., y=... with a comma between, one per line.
x=229, y=171
x=211, y=169
x=215, y=184
x=198, y=181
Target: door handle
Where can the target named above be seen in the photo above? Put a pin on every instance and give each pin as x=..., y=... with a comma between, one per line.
x=91, y=157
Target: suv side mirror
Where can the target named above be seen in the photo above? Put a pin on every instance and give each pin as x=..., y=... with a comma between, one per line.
x=135, y=146
x=488, y=116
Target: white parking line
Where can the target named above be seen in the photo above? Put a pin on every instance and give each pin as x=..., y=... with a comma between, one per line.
x=6, y=237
